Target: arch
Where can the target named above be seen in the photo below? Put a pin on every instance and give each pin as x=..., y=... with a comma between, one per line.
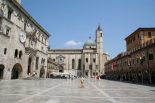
x=153, y=77
x=16, y=71
x=42, y=72
x=29, y=65
x=61, y=69
x=1, y=70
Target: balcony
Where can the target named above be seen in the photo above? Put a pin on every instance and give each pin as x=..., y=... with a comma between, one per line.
x=30, y=51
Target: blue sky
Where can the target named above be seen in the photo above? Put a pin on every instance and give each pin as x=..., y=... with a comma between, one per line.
x=71, y=22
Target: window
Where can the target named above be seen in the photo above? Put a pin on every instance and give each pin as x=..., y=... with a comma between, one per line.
x=73, y=64
x=20, y=54
x=42, y=61
x=150, y=56
x=25, y=25
x=7, y=30
x=94, y=60
x=61, y=59
x=5, y=50
x=138, y=36
x=100, y=34
x=86, y=60
x=37, y=61
x=141, y=37
x=16, y=53
x=142, y=59
x=149, y=34
x=9, y=13
x=45, y=41
x=42, y=39
x=79, y=64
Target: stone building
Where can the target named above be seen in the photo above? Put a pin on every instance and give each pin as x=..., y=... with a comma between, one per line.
x=88, y=61
x=23, y=42
x=137, y=64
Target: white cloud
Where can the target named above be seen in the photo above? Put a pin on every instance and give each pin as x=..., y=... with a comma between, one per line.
x=72, y=43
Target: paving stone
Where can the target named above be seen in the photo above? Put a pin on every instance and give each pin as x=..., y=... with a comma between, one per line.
x=69, y=91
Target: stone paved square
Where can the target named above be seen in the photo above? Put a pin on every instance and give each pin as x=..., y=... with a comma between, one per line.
x=69, y=91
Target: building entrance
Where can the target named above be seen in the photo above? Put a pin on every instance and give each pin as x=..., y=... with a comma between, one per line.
x=16, y=71
x=29, y=65
x=1, y=71
x=42, y=72
x=61, y=69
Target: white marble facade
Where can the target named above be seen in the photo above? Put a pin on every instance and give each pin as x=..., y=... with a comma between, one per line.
x=23, y=43
x=88, y=61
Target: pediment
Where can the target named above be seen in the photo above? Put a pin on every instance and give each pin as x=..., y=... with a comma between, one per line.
x=60, y=56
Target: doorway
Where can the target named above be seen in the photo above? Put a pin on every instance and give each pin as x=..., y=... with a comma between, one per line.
x=42, y=72
x=16, y=71
x=29, y=66
x=61, y=69
x=1, y=71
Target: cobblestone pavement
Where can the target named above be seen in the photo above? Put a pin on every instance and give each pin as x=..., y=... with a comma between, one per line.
x=69, y=91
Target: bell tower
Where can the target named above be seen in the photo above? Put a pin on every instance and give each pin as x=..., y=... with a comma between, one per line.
x=99, y=40
x=99, y=49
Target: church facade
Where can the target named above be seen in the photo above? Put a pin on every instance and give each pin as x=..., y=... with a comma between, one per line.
x=88, y=61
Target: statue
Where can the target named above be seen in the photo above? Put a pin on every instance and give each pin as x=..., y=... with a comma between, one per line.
x=2, y=7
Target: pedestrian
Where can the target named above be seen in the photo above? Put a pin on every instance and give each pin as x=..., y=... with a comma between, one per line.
x=82, y=82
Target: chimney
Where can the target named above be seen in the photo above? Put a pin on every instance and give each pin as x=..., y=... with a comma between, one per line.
x=19, y=1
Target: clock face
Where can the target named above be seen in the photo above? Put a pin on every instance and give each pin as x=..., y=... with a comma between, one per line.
x=22, y=37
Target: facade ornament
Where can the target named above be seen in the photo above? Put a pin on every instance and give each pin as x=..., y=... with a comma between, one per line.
x=2, y=9
x=30, y=51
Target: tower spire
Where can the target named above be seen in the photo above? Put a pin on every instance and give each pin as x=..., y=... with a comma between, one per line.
x=89, y=37
x=99, y=28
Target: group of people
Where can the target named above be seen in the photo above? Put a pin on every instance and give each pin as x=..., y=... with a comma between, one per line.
x=34, y=74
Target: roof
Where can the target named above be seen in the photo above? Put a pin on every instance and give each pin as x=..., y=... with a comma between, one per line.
x=138, y=30
x=65, y=49
x=89, y=42
x=29, y=16
x=99, y=28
